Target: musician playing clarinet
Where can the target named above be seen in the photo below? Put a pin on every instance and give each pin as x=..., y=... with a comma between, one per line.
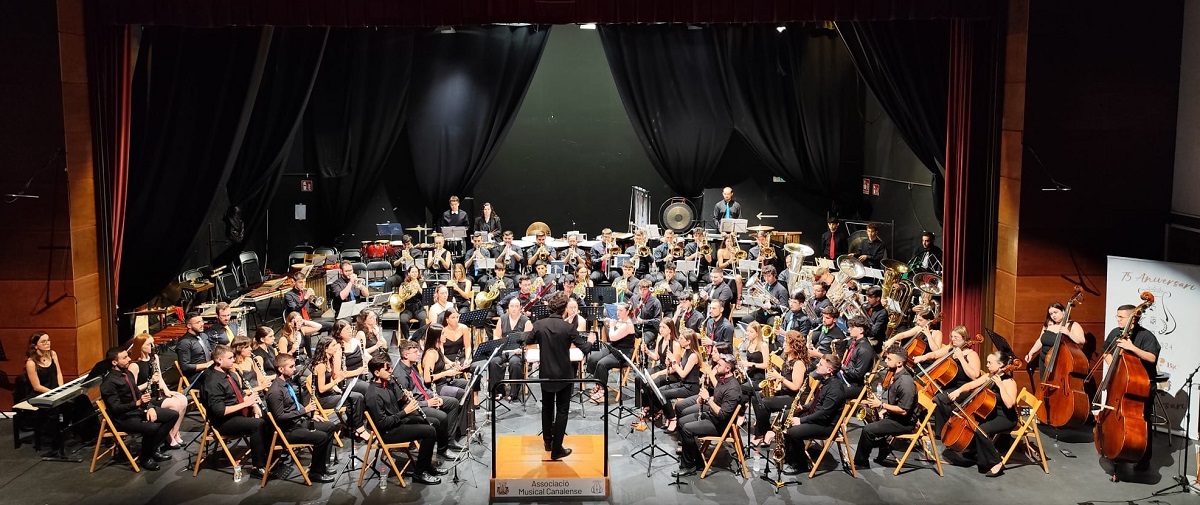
x=398, y=418
x=133, y=410
x=300, y=419
x=233, y=411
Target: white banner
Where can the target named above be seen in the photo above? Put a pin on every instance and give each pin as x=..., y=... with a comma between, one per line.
x=1173, y=318
x=549, y=489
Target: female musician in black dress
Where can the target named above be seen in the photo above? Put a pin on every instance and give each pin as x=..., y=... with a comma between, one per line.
x=43, y=372
x=460, y=287
x=265, y=350
x=757, y=350
x=141, y=352
x=437, y=371
x=792, y=379
x=328, y=389
x=370, y=334
x=456, y=337
x=1050, y=329
x=1002, y=418
x=511, y=321
x=489, y=222
x=686, y=372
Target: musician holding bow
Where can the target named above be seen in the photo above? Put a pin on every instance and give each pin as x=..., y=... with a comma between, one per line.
x=1141, y=343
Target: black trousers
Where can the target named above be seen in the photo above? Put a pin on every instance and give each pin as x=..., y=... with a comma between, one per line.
x=676, y=391
x=320, y=436
x=986, y=455
x=768, y=406
x=516, y=370
x=795, y=437
x=692, y=427
x=875, y=435
x=444, y=418
x=555, y=405
x=259, y=431
x=153, y=433
x=601, y=362
x=354, y=407
x=424, y=434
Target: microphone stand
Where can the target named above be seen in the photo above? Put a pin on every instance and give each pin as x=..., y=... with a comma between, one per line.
x=1181, y=479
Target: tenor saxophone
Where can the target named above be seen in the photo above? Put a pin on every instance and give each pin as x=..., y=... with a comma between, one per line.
x=781, y=424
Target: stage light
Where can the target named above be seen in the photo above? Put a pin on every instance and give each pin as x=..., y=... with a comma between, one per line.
x=445, y=29
x=780, y=28
x=587, y=26
x=694, y=27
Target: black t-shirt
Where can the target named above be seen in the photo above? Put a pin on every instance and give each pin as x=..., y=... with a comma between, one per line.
x=1142, y=339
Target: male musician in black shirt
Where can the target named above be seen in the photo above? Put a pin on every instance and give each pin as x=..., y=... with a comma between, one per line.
x=1145, y=346
x=822, y=338
x=573, y=256
x=471, y=259
x=454, y=216
x=833, y=242
x=523, y=293
x=928, y=258
x=442, y=411
x=692, y=251
x=718, y=290
x=818, y=302
x=347, y=287
x=134, y=411
x=407, y=256
x=602, y=261
x=859, y=356
x=509, y=254
x=778, y=298
x=793, y=319
x=300, y=420
x=877, y=317
x=298, y=299
x=872, y=252
x=726, y=208
x=817, y=419
x=672, y=281
x=539, y=252
x=646, y=313
x=897, y=411
x=641, y=263
x=686, y=316
x=709, y=416
x=193, y=348
x=398, y=418
x=762, y=241
x=717, y=329
x=497, y=275
x=554, y=338
x=225, y=328
x=662, y=252
x=233, y=411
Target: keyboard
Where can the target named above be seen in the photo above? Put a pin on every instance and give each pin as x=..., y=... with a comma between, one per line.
x=63, y=393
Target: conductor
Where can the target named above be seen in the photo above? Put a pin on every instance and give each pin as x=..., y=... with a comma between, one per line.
x=554, y=337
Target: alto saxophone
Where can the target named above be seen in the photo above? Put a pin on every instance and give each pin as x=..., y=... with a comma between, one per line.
x=769, y=387
x=781, y=424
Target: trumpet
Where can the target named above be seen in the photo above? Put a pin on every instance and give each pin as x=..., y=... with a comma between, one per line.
x=542, y=254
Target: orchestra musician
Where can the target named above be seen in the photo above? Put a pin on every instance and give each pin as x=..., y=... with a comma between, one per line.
x=524, y=294
x=542, y=278
x=727, y=208
x=928, y=258
x=438, y=260
x=347, y=287
x=193, y=349
x=300, y=299
x=497, y=275
x=326, y=368
x=511, y=320
x=477, y=252
x=757, y=352
x=718, y=329
x=1143, y=344
x=133, y=410
x=225, y=328
x=395, y=415
x=791, y=378
x=679, y=377
x=454, y=216
x=441, y=411
x=460, y=287
x=671, y=282
x=440, y=303
x=510, y=255
x=662, y=253
x=727, y=256
x=718, y=290
x=897, y=411
x=923, y=326
x=621, y=336
x=818, y=302
x=1051, y=327
x=709, y=416
x=370, y=333
x=602, y=260
x=877, y=317
x=968, y=369
x=246, y=368
x=299, y=419
x=646, y=313
x=573, y=256
x=488, y=223
x=686, y=316
x=762, y=241
x=693, y=251
x=833, y=241
x=439, y=372
x=407, y=256
x=859, y=357
x=265, y=350
x=583, y=280
x=872, y=252
x=291, y=336
x=353, y=361
x=414, y=308
x=1001, y=419
x=456, y=338
x=533, y=254
x=233, y=411
x=794, y=318
x=553, y=335
x=816, y=420
x=779, y=298
x=641, y=263
x=822, y=338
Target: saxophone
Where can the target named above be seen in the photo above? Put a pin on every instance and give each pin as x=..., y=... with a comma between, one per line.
x=769, y=387
x=781, y=424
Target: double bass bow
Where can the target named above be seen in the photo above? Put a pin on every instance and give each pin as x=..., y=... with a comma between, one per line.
x=1064, y=402
x=1121, y=428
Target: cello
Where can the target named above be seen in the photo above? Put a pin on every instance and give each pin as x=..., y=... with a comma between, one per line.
x=942, y=371
x=1121, y=429
x=960, y=429
x=1064, y=402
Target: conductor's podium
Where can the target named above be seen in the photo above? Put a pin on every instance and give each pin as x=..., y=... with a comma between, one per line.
x=523, y=469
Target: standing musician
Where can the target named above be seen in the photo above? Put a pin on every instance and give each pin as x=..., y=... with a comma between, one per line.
x=641, y=262
x=1001, y=419
x=818, y=417
x=441, y=411
x=872, y=252
x=621, y=339
x=477, y=252
x=301, y=421
x=347, y=287
x=554, y=336
x=300, y=299
x=602, y=259
x=395, y=415
x=694, y=251
x=225, y=328
x=818, y=303
x=794, y=318
x=510, y=255
x=511, y=320
x=860, y=356
x=877, y=317
x=833, y=242
x=727, y=208
x=968, y=370
x=779, y=298
x=488, y=223
x=647, y=312
x=717, y=329
x=928, y=258
x=454, y=216
x=709, y=416
x=1143, y=344
x=407, y=256
x=573, y=256
x=439, y=261
x=687, y=317
x=193, y=349
x=821, y=339
x=923, y=326
x=897, y=412
x=134, y=411
x=232, y=411
x=791, y=380
x=540, y=252
x=1052, y=326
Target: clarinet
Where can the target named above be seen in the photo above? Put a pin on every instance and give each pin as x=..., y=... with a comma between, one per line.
x=154, y=389
x=262, y=404
x=408, y=395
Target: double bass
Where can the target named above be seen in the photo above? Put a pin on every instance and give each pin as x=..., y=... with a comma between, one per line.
x=1064, y=402
x=1121, y=429
x=960, y=429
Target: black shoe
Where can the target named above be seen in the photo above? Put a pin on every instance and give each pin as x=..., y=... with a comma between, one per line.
x=160, y=457
x=547, y=445
x=790, y=469
x=426, y=478
x=321, y=477
x=994, y=474
x=684, y=471
x=560, y=454
x=862, y=464
x=257, y=472
x=453, y=447
x=149, y=465
x=880, y=459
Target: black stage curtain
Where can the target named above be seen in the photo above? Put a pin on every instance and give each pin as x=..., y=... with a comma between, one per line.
x=292, y=66
x=671, y=86
x=794, y=99
x=906, y=65
x=467, y=88
x=355, y=115
x=189, y=107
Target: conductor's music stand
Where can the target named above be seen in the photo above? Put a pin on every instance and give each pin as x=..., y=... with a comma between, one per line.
x=389, y=229
x=732, y=226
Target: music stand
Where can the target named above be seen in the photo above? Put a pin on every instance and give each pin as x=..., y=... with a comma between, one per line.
x=454, y=232
x=747, y=265
x=732, y=226
x=472, y=432
x=389, y=229
x=686, y=267
x=557, y=268
x=826, y=263
x=620, y=409
x=600, y=295
x=349, y=467
x=643, y=376
x=427, y=295
x=476, y=318
x=539, y=311
x=620, y=260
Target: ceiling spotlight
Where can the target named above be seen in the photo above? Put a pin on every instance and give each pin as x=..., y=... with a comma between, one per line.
x=445, y=29
x=780, y=28
x=587, y=26
x=694, y=27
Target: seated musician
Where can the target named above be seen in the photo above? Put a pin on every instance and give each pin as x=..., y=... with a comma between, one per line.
x=646, y=312
x=572, y=315
x=477, y=252
x=583, y=280
x=540, y=252
x=716, y=330
x=233, y=411
x=573, y=257
x=441, y=411
x=438, y=261
x=793, y=318
x=1001, y=419
x=872, y=252
x=246, y=367
x=571, y=288
x=44, y=374
x=441, y=303
x=1050, y=330
x=602, y=259
x=662, y=254
x=686, y=316
x=395, y=415
x=300, y=299
x=1143, y=344
x=541, y=278
x=671, y=282
x=641, y=263
x=488, y=223
x=265, y=350
x=512, y=320
x=968, y=368
x=511, y=255
x=626, y=284
x=193, y=349
x=762, y=242
x=897, y=411
x=666, y=351
x=817, y=303
x=778, y=294
x=370, y=334
x=300, y=419
x=680, y=372
x=694, y=251
x=719, y=290
x=859, y=356
x=141, y=353
x=757, y=353
x=928, y=257
x=877, y=317
x=497, y=275
x=709, y=416
x=406, y=256
x=347, y=287
x=353, y=354
x=224, y=329
x=822, y=338
x=621, y=336
x=438, y=372
x=792, y=380
x=727, y=259
x=291, y=336
x=456, y=338
x=329, y=378
x=413, y=315
x=523, y=294
x=133, y=410
x=815, y=420
x=923, y=328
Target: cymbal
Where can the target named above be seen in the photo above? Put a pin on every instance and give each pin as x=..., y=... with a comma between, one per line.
x=760, y=228
x=419, y=228
x=622, y=236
